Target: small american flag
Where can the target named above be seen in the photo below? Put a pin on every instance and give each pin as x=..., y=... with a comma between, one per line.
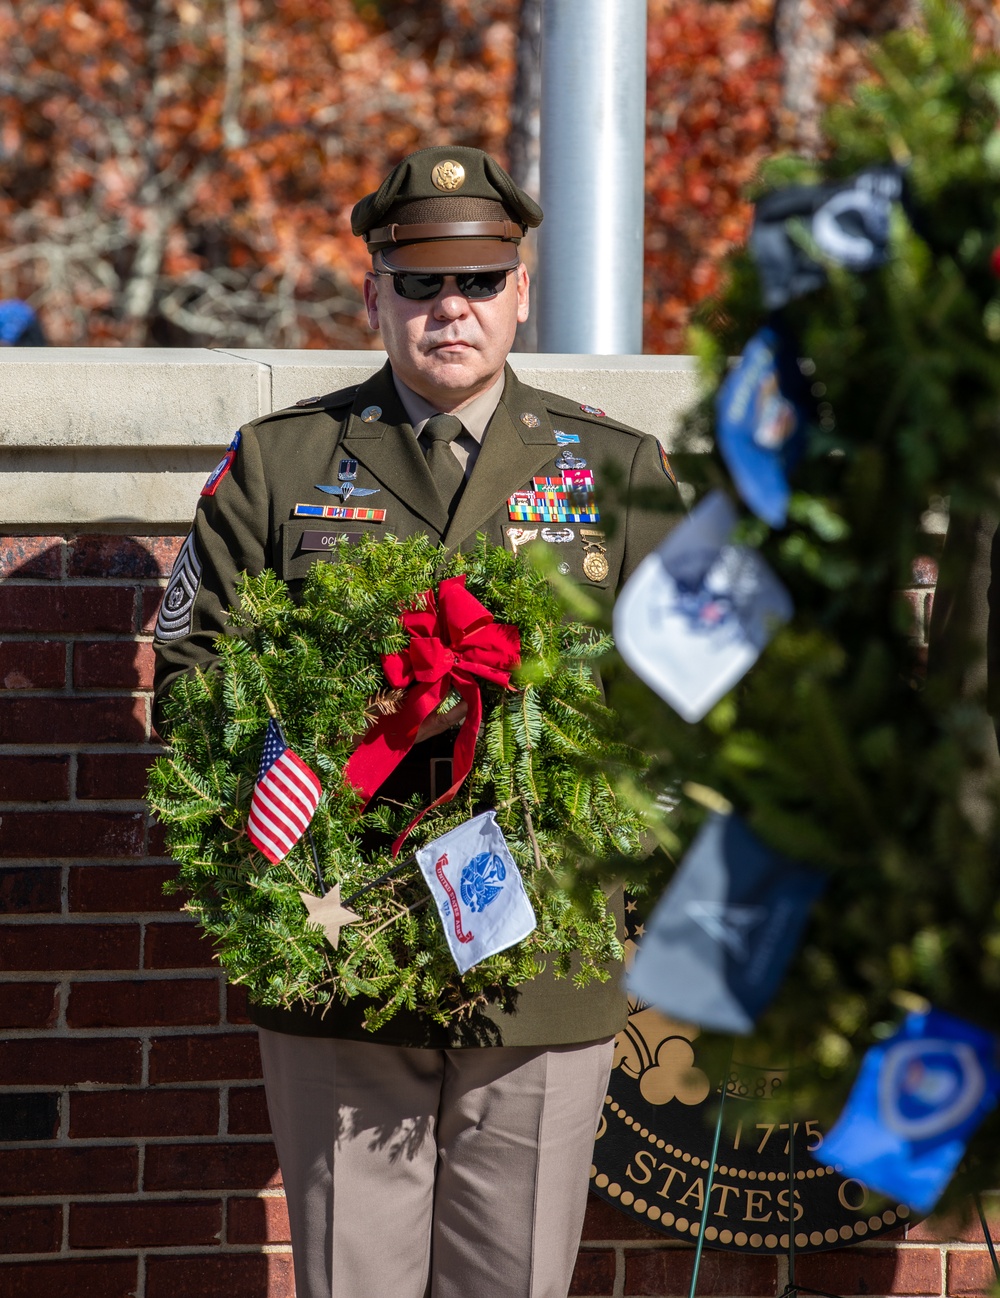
x=284, y=799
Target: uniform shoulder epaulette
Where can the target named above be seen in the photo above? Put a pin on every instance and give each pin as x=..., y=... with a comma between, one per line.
x=342, y=399
x=557, y=405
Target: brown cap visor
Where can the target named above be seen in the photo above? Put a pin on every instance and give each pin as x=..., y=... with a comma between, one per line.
x=451, y=256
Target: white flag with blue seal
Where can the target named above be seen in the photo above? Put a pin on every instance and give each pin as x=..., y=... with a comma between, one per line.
x=477, y=889
x=697, y=613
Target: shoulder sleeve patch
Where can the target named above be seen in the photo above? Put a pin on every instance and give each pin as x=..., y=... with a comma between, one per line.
x=665, y=464
x=223, y=467
x=174, y=618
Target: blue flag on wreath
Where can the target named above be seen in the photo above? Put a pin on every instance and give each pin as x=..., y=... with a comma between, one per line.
x=477, y=889
x=917, y=1099
x=719, y=941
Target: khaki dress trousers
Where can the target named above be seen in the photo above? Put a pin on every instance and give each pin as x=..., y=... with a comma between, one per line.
x=417, y=1173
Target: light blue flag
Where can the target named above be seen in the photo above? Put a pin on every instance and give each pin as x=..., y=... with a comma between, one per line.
x=477, y=889
x=697, y=612
x=918, y=1098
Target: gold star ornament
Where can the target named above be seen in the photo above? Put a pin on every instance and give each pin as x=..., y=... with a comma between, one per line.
x=329, y=914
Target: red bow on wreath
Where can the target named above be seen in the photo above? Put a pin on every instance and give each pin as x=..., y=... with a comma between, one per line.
x=453, y=641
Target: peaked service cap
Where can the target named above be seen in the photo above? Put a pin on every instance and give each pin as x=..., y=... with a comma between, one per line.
x=446, y=209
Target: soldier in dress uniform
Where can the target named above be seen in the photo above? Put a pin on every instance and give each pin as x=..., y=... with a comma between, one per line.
x=421, y=1159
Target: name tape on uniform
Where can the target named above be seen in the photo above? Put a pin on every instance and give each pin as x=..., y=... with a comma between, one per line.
x=327, y=540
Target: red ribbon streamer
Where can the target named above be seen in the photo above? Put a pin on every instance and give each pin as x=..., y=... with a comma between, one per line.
x=454, y=643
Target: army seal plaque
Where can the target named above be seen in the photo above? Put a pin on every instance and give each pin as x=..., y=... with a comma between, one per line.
x=654, y=1143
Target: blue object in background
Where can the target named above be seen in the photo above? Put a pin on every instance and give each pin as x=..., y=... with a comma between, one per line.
x=761, y=421
x=720, y=939
x=918, y=1098
x=19, y=326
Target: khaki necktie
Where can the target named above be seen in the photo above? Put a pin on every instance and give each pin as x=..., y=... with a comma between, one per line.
x=441, y=431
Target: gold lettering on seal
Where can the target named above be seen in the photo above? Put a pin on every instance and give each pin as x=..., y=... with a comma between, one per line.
x=755, y=1203
x=697, y=1189
x=674, y=1171
x=647, y=1172
x=724, y=1192
x=842, y=1193
x=783, y=1203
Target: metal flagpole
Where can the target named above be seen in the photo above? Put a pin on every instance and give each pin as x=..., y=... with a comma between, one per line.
x=592, y=168
x=710, y=1180
x=986, y=1235
x=792, y=1288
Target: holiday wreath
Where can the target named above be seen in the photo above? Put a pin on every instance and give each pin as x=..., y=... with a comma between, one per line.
x=377, y=640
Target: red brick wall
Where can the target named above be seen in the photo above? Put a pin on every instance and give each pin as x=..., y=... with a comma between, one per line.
x=134, y=1149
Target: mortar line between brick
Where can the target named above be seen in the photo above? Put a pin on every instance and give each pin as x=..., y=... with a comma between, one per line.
x=619, y=1286
x=126, y=1142
x=55, y=636
x=62, y=991
x=117, y=976
x=145, y=1197
x=120, y=748
x=86, y=917
x=154, y=1250
x=141, y=1032
x=64, y=1116
x=82, y=692
x=74, y=583
x=82, y=805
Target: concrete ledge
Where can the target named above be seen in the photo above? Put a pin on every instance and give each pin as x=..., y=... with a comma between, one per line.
x=127, y=436
x=646, y=391
x=130, y=396
x=47, y=489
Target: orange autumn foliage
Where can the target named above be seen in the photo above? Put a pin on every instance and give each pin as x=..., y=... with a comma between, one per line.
x=185, y=172
x=182, y=173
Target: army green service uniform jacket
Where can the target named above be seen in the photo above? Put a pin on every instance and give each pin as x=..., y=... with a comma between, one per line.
x=246, y=522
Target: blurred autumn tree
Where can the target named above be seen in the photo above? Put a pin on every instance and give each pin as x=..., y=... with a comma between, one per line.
x=182, y=171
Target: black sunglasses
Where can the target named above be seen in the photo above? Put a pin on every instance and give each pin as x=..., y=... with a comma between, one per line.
x=476, y=285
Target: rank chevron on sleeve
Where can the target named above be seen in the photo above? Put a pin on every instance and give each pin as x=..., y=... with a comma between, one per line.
x=347, y=513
